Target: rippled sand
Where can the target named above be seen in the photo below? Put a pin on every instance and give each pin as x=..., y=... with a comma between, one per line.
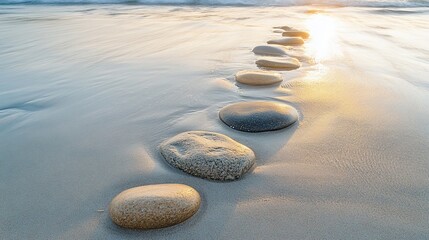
x=88, y=93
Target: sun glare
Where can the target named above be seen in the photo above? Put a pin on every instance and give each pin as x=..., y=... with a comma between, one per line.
x=323, y=31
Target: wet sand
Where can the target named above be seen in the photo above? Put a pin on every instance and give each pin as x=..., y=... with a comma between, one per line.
x=89, y=92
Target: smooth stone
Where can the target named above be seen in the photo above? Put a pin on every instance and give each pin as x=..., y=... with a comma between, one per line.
x=290, y=41
x=258, y=77
x=208, y=155
x=295, y=33
x=285, y=63
x=269, y=50
x=314, y=11
x=286, y=28
x=154, y=206
x=259, y=116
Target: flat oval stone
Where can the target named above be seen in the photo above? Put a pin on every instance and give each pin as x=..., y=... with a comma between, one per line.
x=269, y=50
x=258, y=116
x=285, y=63
x=154, y=206
x=289, y=41
x=314, y=11
x=258, y=77
x=296, y=33
x=208, y=155
x=286, y=28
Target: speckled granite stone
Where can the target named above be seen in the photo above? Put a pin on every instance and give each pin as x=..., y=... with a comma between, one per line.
x=208, y=155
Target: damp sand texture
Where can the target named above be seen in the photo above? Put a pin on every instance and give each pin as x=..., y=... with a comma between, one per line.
x=88, y=92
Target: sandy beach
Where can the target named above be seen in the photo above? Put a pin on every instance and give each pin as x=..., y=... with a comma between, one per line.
x=88, y=92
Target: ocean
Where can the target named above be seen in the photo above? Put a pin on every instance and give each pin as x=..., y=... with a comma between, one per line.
x=354, y=3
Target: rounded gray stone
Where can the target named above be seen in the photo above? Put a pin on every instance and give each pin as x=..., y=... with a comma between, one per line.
x=260, y=116
x=268, y=50
x=208, y=155
x=154, y=206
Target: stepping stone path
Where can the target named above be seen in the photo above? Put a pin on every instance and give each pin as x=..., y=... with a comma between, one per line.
x=154, y=206
x=268, y=50
x=208, y=155
x=286, y=63
x=295, y=33
x=260, y=116
x=258, y=77
x=290, y=41
x=212, y=155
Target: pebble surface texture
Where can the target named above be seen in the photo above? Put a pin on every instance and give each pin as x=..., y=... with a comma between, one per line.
x=293, y=33
x=289, y=41
x=258, y=116
x=208, y=155
x=286, y=63
x=154, y=206
x=258, y=77
x=268, y=50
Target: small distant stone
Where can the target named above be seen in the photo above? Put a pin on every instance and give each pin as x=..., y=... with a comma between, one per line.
x=296, y=33
x=286, y=28
x=289, y=41
x=208, y=155
x=285, y=63
x=259, y=116
x=258, y=77
x=269, y=50
x=154, y=206
x=314, y=11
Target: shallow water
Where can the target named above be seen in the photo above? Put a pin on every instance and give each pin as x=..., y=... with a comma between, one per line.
x=88, y=92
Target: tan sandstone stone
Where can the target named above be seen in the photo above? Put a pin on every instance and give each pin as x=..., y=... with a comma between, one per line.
x=258, y=77
x=288, y=41
x=284, y=63
x=154, y=206
x=296, y=33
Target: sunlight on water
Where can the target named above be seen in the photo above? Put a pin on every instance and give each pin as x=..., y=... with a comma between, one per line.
x=323, y=43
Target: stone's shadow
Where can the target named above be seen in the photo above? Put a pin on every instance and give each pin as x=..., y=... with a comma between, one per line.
x=255, y=87
x=277, y=69
x=264, y=144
